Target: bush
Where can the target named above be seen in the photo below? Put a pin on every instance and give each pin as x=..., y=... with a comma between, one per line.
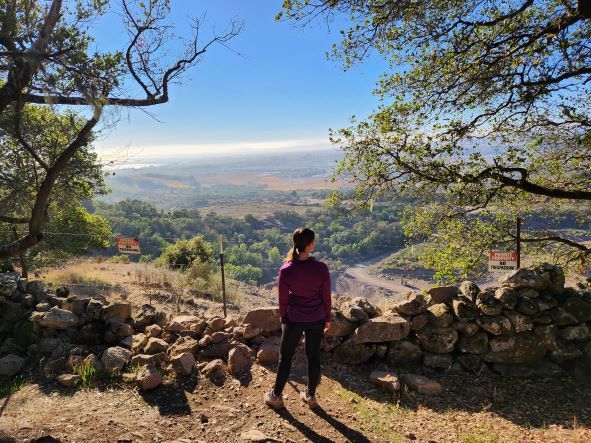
x=183, y=253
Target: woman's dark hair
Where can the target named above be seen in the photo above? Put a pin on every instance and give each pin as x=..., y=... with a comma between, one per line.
x=302, y=237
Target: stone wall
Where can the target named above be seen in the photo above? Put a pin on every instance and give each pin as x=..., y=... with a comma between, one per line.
x=529, y=324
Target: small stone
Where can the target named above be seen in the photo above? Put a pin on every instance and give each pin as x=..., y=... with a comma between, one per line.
x=437, y=361
x=466, y=328
x=385, y=380
x=499, y=325
x=437, y=340
x=155, y=346
x=579, y=333
x=413, y=305
x=68, y=380
x=520, y=322
x=251, y=331
x=255, y=435
x=269, y=350
x=115, y=358
x=215, y=371
x=153, y=331
x=440, y=315
x=403, y=353
x=148, y=378
x=239, y=359
x=11, y=364
x=475, y=344
x=118, y=311
x=464, y=310
x=353, y=353
x=470, y=290
x=422, y=385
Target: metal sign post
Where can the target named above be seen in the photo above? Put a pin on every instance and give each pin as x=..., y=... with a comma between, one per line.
x=223, y=276
x=518, y=242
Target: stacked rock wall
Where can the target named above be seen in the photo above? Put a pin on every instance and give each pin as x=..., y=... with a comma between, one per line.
x=529, y=323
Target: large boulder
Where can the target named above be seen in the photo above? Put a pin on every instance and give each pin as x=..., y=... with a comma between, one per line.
x=148, y=378
x=464, y=310
x=521, y=348
x=8, y=284
x=218, y=350
x=413, y=305
x=440, y=315
x=115, y=358
x=384, y=328
x=116, y=312
x=469, y=289
x=11, y=364
x=57, y=318
x=499, y=325
x=523, y=278
x=267, y=319
x=442, y=294
x=144, y=316
x=182, y=364
x=10, y=311
x=269, y=350
x=94, y=309
x=520, y=322
x=215, y=371
x=548, y=335
x=359, y=310
x=437, y=340
x=553, y=277
x=403, y=353
x=239, y=359
x=421, y=384
x=475, y=344
x=183, y=345
x=387, y=381
x=37, y=289
x=578, y=333
x=339, y=325
x=353, y=353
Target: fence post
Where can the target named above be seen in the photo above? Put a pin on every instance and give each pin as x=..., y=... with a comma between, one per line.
x=518, y=242
x=223, y=276
x=24, y=271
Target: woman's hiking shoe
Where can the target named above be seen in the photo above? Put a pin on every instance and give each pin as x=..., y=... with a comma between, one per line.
x=309, y=400
x=273, y=401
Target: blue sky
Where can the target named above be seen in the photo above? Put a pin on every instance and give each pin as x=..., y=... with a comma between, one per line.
x=280, y=92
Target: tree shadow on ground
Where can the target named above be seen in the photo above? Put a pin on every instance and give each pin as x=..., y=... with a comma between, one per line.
x=528, y=402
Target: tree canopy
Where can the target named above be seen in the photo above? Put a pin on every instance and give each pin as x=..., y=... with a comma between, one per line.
x=484, y=116
x=48, y=58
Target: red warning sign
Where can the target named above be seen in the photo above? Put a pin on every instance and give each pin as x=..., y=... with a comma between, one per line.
x=128, y=245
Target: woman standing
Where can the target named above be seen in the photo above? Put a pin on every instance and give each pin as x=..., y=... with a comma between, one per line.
x=304, y=308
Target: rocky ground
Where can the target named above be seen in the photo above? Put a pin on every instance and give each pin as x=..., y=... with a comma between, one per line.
x=472, y=409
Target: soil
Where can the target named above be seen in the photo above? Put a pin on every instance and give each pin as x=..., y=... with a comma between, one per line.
x=473, y=409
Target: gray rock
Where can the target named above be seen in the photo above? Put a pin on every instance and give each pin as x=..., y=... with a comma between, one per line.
x=352, y=353
x=140, y=360
x=269, y=350
x=94, y=309
x=116, y=312
x=437, y=340
x=68, y=380
x=116, y=332
x=215, y=371
x=239, y=359
x=548, y=334
x=437, y=361
x=387, y=381
x=490, y=307
x=144, y=316
x=470, y=290
x=339, y=325
x=11, y=311
x=508, y=297
x=115, y=358
x=183, y=345
x=265, y=318
x=413, y=305
x=43, y=306
x=522, y=278
x=8, y=284
x=418, y=322
x=422, y=385
x=138, y=342
x=579, y=333
x=76, y=304
x=475, y=344
x=148, y=378
x=464, y=310
x=499, y=325
x=442, y=294
x=403, y=353
x=520, y=322
x=521, y=348
x=385, y=328
x=38, y=290
x=440, y=315
x=155, y=346
x=57, y=318
x=11, y=364
x=182, y=364
x=220, y=350
x=466, y=328
x=153, y=331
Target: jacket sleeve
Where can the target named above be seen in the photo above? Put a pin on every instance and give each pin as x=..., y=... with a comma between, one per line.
x=326, y=299
x=283, y=297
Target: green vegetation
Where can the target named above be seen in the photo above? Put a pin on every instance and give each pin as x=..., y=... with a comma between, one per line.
x=477, y=121
x=254, y=248
x=11, y=385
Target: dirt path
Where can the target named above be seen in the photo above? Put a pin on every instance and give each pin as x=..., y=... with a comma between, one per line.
x=472, y=409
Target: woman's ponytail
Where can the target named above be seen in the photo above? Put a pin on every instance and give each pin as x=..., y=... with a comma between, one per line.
x=302, y=237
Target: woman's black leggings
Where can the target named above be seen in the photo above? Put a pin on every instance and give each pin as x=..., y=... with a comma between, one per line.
x=290, y=337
